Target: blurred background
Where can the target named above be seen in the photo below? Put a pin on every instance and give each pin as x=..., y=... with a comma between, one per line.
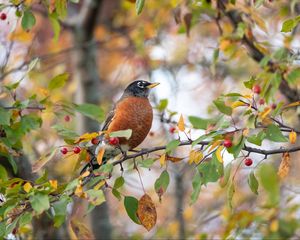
x=104, y=45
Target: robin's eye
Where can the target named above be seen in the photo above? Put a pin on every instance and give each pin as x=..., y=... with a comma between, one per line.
x=140, y=85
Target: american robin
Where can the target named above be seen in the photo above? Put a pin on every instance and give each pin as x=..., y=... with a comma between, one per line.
x=132, y=111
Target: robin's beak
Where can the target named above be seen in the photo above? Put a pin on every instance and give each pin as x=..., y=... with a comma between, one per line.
x=152, y=85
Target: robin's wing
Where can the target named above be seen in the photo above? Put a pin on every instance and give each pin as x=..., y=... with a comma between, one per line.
x=108, y=120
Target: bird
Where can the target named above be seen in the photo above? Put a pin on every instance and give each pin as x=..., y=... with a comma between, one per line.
x=132, y=111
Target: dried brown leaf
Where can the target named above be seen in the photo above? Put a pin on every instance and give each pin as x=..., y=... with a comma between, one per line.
x=284, y=166
x=146, y=212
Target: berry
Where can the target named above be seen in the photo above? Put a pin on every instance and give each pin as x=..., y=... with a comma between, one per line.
x=95, y=141
x=273, y=105
x=76, y=150
x=261, y=101
x=114, y=141
x=248, y=162
x=256, y=89
x=64, y=150
x=227, y=143
x=172, y=129
x=67, y=118
x=3, y=16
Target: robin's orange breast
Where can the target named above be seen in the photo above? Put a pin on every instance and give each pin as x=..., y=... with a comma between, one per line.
x=133, y=113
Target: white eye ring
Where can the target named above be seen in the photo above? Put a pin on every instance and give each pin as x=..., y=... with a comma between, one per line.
x=140, y=85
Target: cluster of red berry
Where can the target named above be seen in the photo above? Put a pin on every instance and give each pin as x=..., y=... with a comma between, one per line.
x=257, y=90
x=228, y=143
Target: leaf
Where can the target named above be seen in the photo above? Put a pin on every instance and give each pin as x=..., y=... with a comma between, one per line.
x=55, y=25
x=53, y=184
x=4, y=116
x=78, y=230
x=43, y=160
x=230, y=194
x=58, y=81
x=90, y=110
x=25, y=219
x=147, y=163
x=146, y=212
x=293, y=76
x=122, y=133
x=60, y=210
x=100, y=155
x=196, y=183
x=139, y=4
x=257, y=139
x=3, y=174
x=195, y=156
x=131, y=206
x=218, y=154
x=173, y=159
x=95, y=197
x=293, y=137
x=249, y=84
x=163, y=103
x=199, y=123
x=162, y=159
x=284, y=166
x=274, y=134
x=65, y=132
x=180, y=124
x=253, y=183
x=27, y=187
x=28, y=20
x=86, y=137
x=119, y=182
x=222, y=107
x=288, y=25
x=161, y=184
x=224, y=180
x=269, y=181
x=39, y=202
x=294, y=104
x=172, y=146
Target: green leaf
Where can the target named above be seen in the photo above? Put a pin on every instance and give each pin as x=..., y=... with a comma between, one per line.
x=106, y=168
x=40, y=202
x=61, y=8
x=237, y=148
x=28, y=20
x=274, y=134
x=161, y=184
x=257, y=139
x=253, y=183
x=131, y=206
x=172, y=146
x=55, y=25
x=119, y=182
x=122, y=133
x=139, y=4
x=25, y=219
x=3, y=174
x=30, y=122
x=90, y=110
x=147, y=163
x=288, y=25
x=60, y=210
x=163, y=103
x=58, y=81
x=65, y=132
x=222, y=107
x=11, y=161
x=249, y=84
x=199, y=123
x=4, y=116
x=269, y=181
x=226, y=176
x=72, y=185
x=196, y=183
x=95, y=197
x=293, y=76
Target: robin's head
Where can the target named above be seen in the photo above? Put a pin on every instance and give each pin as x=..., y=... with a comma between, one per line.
x=139, y=88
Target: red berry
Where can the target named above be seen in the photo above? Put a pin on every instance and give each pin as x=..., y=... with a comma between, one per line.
x=64, y=150
x=67, y=118
x=114, y=141
x=273, y=105
x=76, y=150
x=227, y=143
x=172, y=129
x=248, y=162
x=3, y=16
x=95, y=141
x=256, y=89
x=261, y=101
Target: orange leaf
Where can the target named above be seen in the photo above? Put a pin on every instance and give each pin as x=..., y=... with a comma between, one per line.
x=284, y=166
x=100, y=156
x=53, y=183
x=146, y=212
x=180, y=124
x=173, y=159
x=293, y=137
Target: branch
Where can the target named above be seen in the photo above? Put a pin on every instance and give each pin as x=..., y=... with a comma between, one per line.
x=236, y=18
x=40, y=108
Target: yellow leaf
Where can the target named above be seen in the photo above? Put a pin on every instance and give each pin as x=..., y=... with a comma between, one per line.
x=99, y=185
x=246, y=132
x=218, y=153
x=79, y=191
x=180, y=124
x=53, y=183
x=27, y=186
x=293, y=137
x=284, y=166
x=294, y=104
x=274, y=225
x=265, y=113
x=146, y=212
x=85, y=174
x=100, y=156
x=162, y=159
x=191, y=156
x=173, y=159
x=238, y=104
x=224, y=44
x=86, y=137
x=198, y=157
x=214, y=145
